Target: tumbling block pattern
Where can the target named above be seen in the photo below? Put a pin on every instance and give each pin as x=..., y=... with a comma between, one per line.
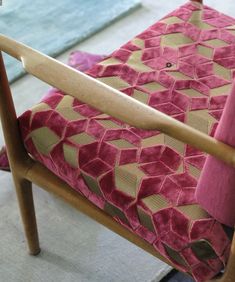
x=183, y=66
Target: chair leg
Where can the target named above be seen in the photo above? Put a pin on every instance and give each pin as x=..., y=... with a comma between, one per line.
x=26, y=204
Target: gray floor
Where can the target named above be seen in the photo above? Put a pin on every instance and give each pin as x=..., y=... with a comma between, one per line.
x=74, y=247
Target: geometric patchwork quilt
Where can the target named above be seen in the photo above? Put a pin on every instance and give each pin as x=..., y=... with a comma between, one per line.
x=183, y=66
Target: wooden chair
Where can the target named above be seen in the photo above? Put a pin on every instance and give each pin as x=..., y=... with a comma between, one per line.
x=26, y=171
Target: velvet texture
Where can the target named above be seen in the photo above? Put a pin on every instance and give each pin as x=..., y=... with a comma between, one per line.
x=79, y=60
x=4, y=164
x=144, y=179
x=215, y=189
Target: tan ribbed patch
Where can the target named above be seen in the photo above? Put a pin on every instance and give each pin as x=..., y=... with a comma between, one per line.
x=127, y=178
x=71, y=155
x=180, y=168
x=193, y=212
x=69, y=113
x=141, y=96
x=194, y=171
x=81, y=138
x=145, y=219
x=114, y=81
x=153, y=86
x=175, y=144
x=205, y=51
x=221, y=71
x=138, y=42
x=107, y=123
x=153, y=140
x=155, y=202
x=172, y=20
x=196, y=19
x=216, y=43
x=191, y=92
x=222, y=90
x=179, y=75
x=40, y=107
x=200, y=120
x=122, y=144
x=135, y=62
x=110, y=61
x=175, y=40
x=44, y=139
x=92, y=184
x=115, y=212
x=66, y=101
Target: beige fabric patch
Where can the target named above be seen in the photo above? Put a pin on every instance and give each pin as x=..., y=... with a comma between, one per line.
x=205, y=51
x=69, y=113
x=193, y=212
x=44, y=139
x=114, y=81
x=108, y=123
x=153, y=140
x=172, y=20
x=175, y=40
x=127, y=178
x=179, y=75
x=155, y=202
x=70, y=155
x=153, y=87
x=216, y=43
x=135, y=62
x=145, y=219
x=196, y=19
x=138, y=42
x=222, y=90
x=92, y=184
x=141, y=96
x=110, y=61
x=122, y=144
x=81, y=138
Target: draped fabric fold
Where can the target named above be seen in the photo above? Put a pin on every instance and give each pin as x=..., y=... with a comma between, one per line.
x=216, y=187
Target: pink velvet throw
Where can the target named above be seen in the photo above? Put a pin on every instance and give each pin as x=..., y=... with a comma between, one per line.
x=216, y=187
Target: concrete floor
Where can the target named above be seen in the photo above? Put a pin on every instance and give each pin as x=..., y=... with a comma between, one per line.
x=74, y=248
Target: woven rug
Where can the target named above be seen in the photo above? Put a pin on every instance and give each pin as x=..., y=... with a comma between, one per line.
x=53, y=26
x=74, y=247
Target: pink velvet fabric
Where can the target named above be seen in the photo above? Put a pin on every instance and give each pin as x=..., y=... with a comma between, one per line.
x=216, y=187
x=4, y=163
x=79, y=60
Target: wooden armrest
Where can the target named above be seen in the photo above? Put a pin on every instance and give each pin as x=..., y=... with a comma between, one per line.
x=111, y=101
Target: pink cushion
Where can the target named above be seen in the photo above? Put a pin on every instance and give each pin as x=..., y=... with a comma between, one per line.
x=79, y=60
x=145, y=179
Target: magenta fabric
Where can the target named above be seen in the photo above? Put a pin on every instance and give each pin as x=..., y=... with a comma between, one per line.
x=79, y=60
x=216, y=187
x=83, y=61
x=4, y=163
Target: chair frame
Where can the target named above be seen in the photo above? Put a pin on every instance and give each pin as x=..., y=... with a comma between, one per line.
x=26, y=171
